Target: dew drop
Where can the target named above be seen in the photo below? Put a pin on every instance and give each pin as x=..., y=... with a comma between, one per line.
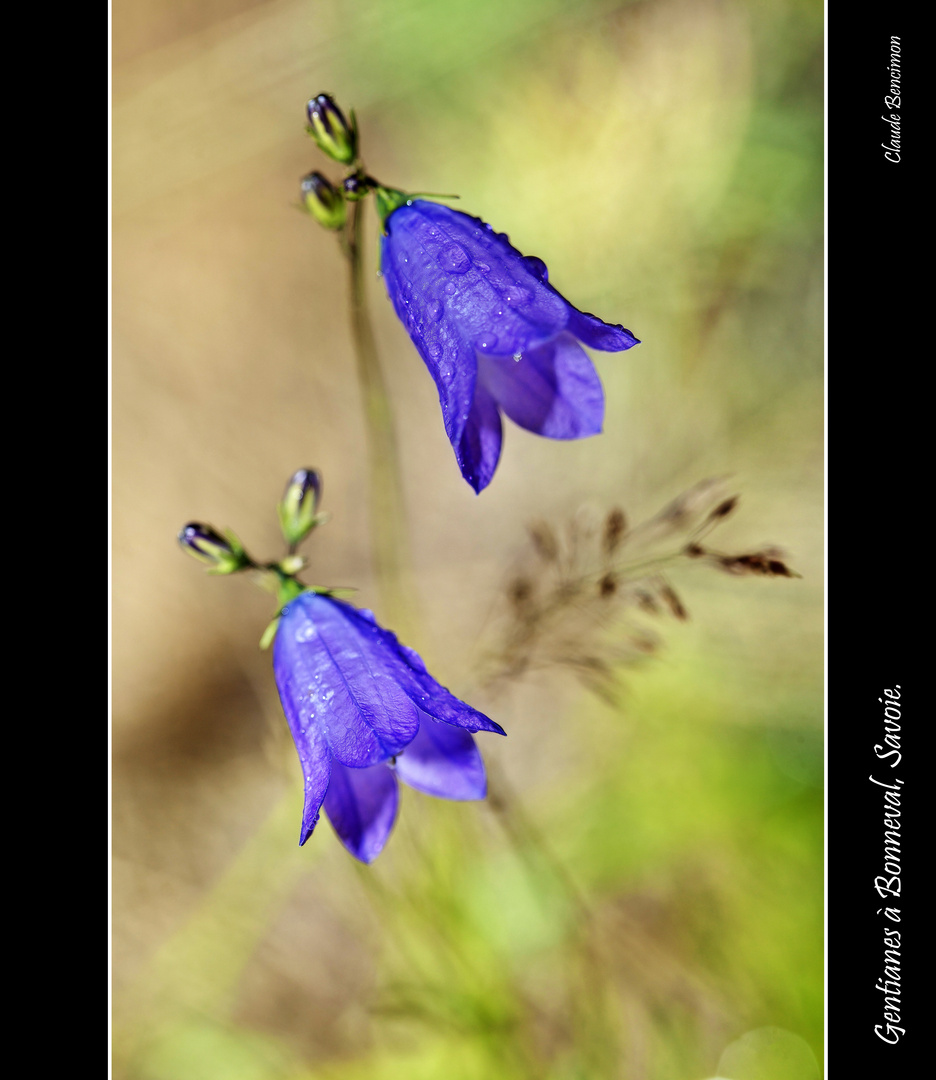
x=487, y=342
x=450, y=288
x=434, y=349
x=537, y=267
x=454, y=259
x=518, y=295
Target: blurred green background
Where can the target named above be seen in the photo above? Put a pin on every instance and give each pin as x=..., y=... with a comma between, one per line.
x=665, y=159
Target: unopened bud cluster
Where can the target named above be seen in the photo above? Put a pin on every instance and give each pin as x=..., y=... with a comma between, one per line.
x=298, y=516
x=337, y=137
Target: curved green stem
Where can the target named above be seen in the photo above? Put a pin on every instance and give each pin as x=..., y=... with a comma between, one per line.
x=388, y=528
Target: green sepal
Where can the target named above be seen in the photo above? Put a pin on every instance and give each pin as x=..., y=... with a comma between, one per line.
x=289, y=589
x=229, y=562
x=388, y=200
x=338, y=591
x=270, y=633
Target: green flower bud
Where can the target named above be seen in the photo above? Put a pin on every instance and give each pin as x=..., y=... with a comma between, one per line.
x=358, y=186
x=224, y=556
x=332, y=133
x=298, y=512
x=323, y=201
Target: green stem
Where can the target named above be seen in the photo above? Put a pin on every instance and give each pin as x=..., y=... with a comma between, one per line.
x=388, y=528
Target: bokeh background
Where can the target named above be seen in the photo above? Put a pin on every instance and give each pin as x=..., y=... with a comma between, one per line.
x=664, y=158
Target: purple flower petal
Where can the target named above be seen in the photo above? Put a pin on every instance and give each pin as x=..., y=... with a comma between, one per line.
x=333, y=679
x=449, y=273
x=480, y=444
x=594, y=333
x=362, y=805
x=443, y=761
x=355, y=699
x=553, y=390
x=316, y=764
x=405, y=666
x=469, y=299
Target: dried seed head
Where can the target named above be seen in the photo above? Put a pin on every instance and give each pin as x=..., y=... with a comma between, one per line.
x=643, y=644
x=724, y=508
x=690, y=502
x=608, y=585
x=544, y=540
x=646, y=602
x=520, y=591
x=615, y=527
x=757, y=562
x=673, y=602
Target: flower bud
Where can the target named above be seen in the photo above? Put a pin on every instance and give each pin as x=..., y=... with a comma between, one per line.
x=357, y=186
x=323, y=201
x=224, y=556
x=332, y=133
x=298, y=510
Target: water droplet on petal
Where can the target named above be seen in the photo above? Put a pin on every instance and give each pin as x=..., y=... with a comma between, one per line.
x=536, y=267
x=434, y=349
x=517, y=295
x=487, y=342
x=435, y=309
x=454, y=259
x=450, y=288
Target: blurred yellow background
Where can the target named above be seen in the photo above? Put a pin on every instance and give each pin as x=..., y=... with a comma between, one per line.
x=664, y=158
